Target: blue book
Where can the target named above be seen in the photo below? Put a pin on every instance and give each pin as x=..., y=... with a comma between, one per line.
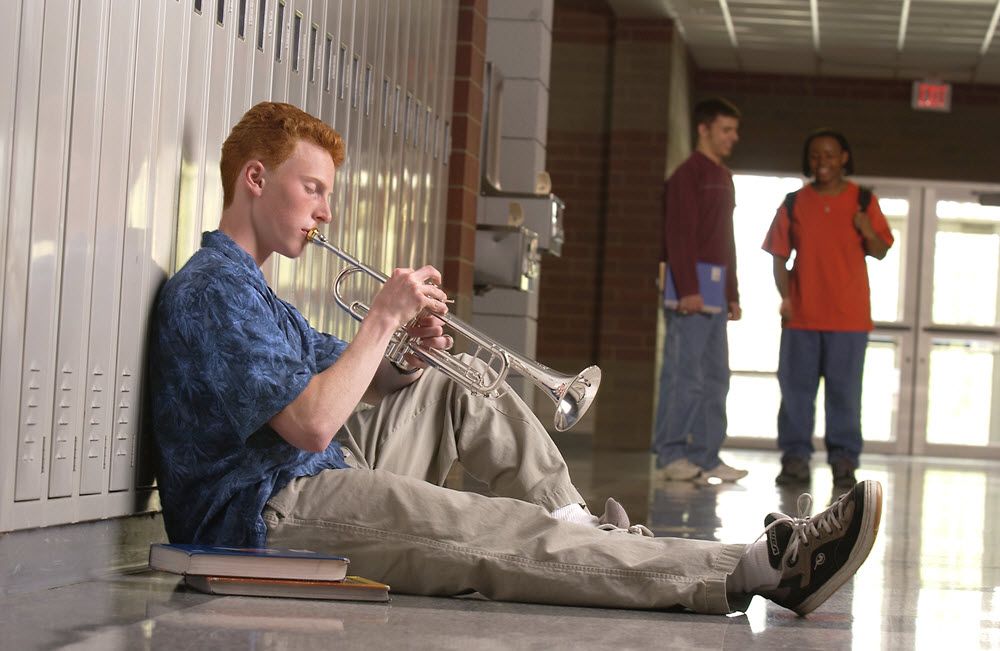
x=265, y=563
x=711, y=286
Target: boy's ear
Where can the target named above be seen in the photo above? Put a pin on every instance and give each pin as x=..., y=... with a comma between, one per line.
x=253, y=177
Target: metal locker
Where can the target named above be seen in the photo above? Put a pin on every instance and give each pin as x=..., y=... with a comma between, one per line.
x=383, y=124
x=165, y=162
x=241, y=35
x=102, y=349
x=19, y=163
x=407, y=237
x=108, y=245
x=331, y=44
x=298, y=27
x=195, y=141
x=262, y=33
x=314, y=58
x=374, y=240
x=294, y=285
x=9, y=452
x=9, y=33
x=48, y=188
x=446, y=82
x=78, y=253
x=283, y=270
x=135, y=222
x=314, y=19
x=217, y=115
x=325, y=314
x=396, y=229
x=426, y=61
x=341, y=225
x=279, y=79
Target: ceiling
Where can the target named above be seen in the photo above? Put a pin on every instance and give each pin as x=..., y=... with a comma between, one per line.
x=948, y=40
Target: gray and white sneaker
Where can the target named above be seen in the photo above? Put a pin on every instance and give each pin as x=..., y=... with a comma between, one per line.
x=678, y=470
x=723, y=472
x=818, y=555
x=616, y=519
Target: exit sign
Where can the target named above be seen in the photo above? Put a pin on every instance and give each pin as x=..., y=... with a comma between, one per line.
x=931, y=96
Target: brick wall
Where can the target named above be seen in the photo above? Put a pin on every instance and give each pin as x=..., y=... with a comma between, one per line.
x=576, y=150
x=607, y=144
x=887, y=136
x=463, y=164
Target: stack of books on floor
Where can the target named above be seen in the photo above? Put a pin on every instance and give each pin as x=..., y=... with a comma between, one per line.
x=253, y=572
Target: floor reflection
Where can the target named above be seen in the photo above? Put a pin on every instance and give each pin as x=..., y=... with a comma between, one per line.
x=932, y=580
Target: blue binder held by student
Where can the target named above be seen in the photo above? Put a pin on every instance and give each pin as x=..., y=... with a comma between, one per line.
x=711, y=286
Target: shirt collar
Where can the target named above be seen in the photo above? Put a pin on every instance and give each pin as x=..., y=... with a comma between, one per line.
x=222, y=243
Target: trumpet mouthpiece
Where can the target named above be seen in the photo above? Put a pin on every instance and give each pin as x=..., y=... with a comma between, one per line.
x=314, y=234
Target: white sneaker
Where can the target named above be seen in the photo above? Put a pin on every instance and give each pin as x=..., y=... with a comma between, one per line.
x=678, y=470
x=724, y=472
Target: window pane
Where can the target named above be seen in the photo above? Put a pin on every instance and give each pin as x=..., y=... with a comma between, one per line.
x=966, y=264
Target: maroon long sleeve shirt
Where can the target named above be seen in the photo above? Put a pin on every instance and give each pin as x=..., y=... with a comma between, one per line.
x=698, y=226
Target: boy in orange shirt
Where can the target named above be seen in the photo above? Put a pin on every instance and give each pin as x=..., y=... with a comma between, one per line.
x=825, y=307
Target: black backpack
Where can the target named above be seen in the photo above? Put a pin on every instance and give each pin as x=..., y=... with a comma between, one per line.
x=864, y=198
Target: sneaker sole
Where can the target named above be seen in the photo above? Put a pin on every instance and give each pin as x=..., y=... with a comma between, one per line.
x=704, y=479
x=869, y=528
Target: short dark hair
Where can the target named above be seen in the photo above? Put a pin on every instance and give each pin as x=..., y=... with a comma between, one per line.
x=707, y=110
x=826, y=132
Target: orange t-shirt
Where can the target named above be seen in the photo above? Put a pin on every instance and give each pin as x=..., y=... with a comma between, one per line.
x=828, y=284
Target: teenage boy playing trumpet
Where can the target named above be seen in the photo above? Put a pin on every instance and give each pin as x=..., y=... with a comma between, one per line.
x=261, y=443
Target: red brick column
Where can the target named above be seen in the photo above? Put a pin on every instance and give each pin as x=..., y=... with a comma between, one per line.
x=607, y=154
x=463, y=164
x=637, y=162
x=576, y=158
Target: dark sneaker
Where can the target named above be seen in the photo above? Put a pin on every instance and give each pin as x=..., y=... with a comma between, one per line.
x=817, y=555
x=843, y=473
x=793, y=471
x=616, y=519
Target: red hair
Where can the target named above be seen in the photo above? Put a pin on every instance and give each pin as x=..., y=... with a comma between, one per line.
x=269, y=132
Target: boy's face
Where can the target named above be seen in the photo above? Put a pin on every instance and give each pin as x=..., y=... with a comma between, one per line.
x=294, y=198
x=826, y=159
x=720, y=135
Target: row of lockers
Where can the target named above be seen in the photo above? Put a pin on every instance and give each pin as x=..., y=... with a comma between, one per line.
x=109, y=173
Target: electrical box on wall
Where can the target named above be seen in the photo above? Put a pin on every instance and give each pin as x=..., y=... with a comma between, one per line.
x=506, y=256
x=542, y=214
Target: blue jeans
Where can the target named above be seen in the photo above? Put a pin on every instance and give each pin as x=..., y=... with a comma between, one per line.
x=694, y=382
x=838, y=357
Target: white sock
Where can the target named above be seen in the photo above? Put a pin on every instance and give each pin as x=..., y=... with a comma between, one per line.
x=574, y=513
x=753, y=573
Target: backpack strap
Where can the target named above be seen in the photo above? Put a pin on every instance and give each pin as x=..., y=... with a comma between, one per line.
x=864, y=197
x=789, y=203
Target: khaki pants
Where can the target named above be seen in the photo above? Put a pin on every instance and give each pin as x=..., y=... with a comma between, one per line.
x=393, y=518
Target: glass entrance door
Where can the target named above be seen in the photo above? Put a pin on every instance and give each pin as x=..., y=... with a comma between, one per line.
x=931, y=372
x=958, y=335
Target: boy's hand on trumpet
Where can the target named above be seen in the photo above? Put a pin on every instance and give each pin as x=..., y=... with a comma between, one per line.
x=429, y=333
x=408, y=293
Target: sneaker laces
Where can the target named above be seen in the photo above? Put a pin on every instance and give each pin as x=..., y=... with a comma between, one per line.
x=635, y=529
x=805, y=527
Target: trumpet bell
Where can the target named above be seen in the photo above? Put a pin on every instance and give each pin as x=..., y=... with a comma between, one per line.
x=573, y=395
x=577, y=398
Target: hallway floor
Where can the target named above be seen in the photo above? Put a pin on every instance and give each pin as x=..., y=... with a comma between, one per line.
x=932, y=581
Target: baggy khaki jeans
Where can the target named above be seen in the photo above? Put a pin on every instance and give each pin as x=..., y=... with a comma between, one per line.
x=393, y=518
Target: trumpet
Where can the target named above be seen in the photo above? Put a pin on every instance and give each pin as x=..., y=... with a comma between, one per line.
x=572, y=394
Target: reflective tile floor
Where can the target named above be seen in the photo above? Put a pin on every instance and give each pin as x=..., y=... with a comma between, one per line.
x=932, y=581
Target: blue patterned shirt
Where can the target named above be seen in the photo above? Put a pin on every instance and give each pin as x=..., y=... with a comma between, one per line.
x=226, y=355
